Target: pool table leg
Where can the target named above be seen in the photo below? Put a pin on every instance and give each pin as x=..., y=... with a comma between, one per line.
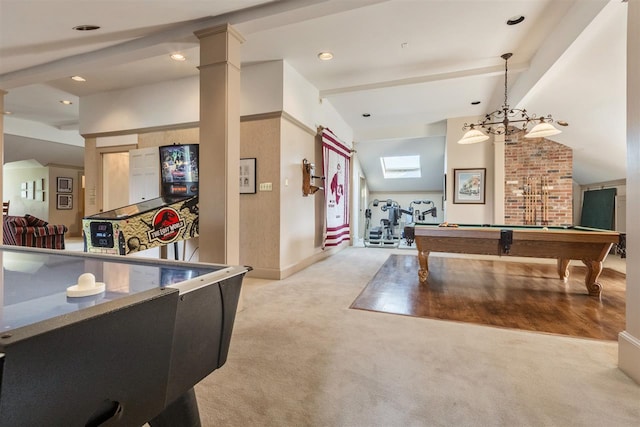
x=563, y=268
x=594, y=268
x=423, y=272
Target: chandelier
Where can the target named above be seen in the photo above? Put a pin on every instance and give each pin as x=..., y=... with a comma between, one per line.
x=508, y=121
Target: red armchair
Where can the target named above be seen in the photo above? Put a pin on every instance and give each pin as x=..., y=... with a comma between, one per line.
x=32, y=231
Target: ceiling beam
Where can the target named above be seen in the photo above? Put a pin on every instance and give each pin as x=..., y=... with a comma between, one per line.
x=428, y=78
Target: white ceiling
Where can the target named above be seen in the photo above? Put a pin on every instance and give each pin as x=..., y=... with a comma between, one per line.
x=411, y=64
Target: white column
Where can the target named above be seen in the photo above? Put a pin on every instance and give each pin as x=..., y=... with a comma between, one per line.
x=498, y=179
x=629, y=339
x=219, y=189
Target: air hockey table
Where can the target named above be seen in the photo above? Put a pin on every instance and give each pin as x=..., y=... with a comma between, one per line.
x=129, y=355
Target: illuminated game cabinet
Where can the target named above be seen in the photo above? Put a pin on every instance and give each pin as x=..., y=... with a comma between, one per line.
x=156, y=222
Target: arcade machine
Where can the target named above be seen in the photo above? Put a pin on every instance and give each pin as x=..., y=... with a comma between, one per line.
x=167, y=219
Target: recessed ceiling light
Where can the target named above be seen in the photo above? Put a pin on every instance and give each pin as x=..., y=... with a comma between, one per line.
x=366, y=115
x=178, y=57
x=515, y=20
x=325, y=56
x=475, y=102
x=66, y=102
x=7, y=113
x=86, y=27
x=78, y=79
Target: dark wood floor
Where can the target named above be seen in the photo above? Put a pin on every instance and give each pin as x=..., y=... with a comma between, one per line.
x=516, y=295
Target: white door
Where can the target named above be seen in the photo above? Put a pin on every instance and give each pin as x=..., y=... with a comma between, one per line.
x=144, y=174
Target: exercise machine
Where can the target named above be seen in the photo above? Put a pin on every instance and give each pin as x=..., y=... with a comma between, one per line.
x=421, y=216
x=418, y=216
x=387, y=234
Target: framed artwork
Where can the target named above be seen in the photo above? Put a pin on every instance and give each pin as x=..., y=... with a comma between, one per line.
x=248, y=176
x=64, y=202
x=65, y=185
x=469, y=186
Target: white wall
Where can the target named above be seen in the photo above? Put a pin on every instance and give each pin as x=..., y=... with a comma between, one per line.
x=266, y=87
x=468, y=156
x=13, y=178
x=261, y=88
x=300, y=98
x=174, y=102
x=38, y=130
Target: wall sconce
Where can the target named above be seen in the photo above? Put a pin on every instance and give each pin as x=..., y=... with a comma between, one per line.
x=308, y=177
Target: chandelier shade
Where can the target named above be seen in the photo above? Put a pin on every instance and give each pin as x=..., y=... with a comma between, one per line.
x=507, y=121
x=542, y=129
x=473, y=136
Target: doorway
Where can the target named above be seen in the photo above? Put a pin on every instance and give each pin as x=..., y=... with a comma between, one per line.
x=362, y=207
x=115, y=180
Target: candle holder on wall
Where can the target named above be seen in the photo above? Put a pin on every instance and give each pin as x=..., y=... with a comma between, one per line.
x=308, y=178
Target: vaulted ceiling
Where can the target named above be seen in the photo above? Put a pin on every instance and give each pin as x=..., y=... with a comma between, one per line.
x=409, y=64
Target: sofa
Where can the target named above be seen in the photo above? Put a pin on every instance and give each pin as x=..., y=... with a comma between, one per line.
x=31, y=231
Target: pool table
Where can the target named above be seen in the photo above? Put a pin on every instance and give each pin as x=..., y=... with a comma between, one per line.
x=589, y=245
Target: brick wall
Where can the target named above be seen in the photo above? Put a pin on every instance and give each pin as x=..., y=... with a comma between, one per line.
x=531, y=168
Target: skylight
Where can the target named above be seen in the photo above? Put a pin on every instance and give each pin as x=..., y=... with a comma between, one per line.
x=401, y=167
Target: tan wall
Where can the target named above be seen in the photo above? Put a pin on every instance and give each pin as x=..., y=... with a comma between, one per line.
x=72, y=218
x=168, y=137
x=260, y=212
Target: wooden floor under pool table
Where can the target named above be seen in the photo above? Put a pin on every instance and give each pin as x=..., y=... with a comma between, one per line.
x=588, y=245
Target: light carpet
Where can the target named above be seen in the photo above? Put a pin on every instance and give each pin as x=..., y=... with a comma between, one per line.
x=300, y=357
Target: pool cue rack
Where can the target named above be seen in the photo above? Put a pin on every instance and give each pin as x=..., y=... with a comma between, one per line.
x=536, y=195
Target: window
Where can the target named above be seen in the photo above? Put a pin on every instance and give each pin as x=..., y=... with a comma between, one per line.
x=401, y=167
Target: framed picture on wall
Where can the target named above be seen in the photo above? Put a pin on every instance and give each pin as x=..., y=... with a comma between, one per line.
x=65, y=185
x=469, y=186
x=64, y=202
x=248, y=176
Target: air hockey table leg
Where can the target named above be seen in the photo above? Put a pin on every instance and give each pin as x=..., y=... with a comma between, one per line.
x=183, y=412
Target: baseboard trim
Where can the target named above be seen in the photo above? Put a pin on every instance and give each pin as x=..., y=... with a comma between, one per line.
x=283, y=273
x=628, y=355
x=301, y=265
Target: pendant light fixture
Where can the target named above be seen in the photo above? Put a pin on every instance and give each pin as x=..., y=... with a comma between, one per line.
x=508, y=121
